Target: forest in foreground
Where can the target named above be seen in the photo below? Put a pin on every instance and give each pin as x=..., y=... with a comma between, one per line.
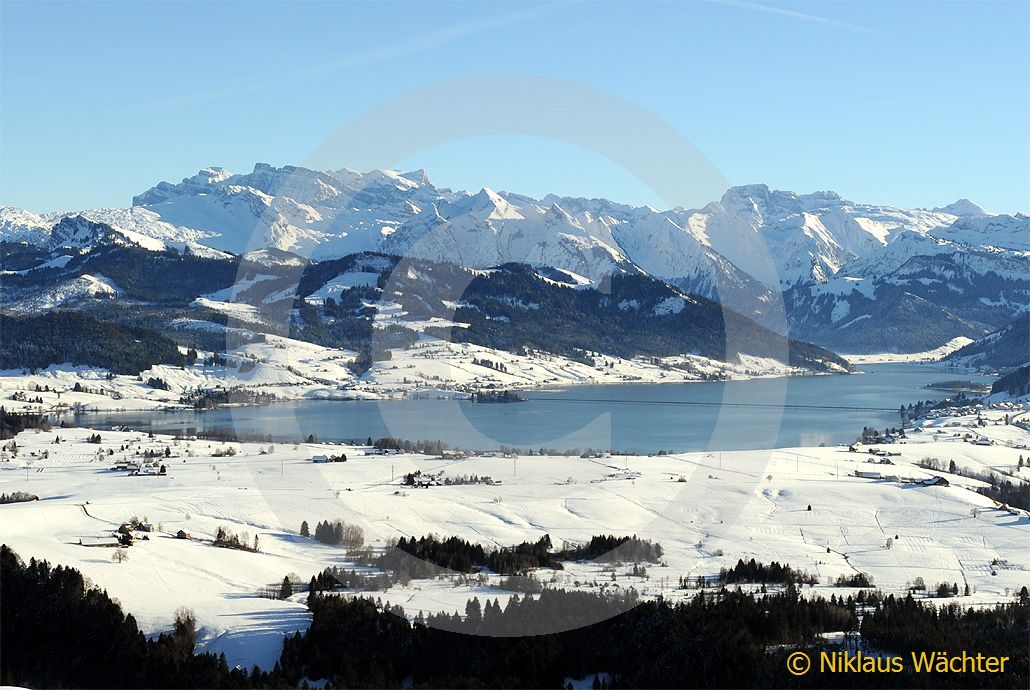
x=719, y=638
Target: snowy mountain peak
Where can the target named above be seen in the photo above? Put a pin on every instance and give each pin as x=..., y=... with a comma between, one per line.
x=822, y=199
x=748, y=191
x=212, y=175
x=1002, y=231
x=19, y=225
x=419, y=177
x=556, y=213
x=79, y=233
x=755, y=239
x=485, y=205
x=962, y=207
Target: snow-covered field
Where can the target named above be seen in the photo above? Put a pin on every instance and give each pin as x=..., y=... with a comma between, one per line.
x=294, y=370
x=706, y=509
x=934, y=355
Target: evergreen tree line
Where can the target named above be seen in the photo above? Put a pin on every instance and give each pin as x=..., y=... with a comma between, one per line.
x=334, y=578
x=905, y=625
x=229, y=540
x=752, y=572
x=1015, y=383
x=157, y=382
x=854, y=580
x=58, y=631
x=210, y=399
x=13, y=423
x=1003, y=491
x=718, y=638
x=490, y=364
x=424, y=446
x=432, y=556
x=337, y=533
x=609, y=549
x=56, y=337
x=17, y=497
x=504, y=396
x=713, y=640
x=1008, y=493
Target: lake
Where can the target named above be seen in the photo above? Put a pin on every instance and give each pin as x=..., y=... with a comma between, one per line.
x=641, y=418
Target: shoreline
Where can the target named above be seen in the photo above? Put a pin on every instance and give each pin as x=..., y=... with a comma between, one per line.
x=10, y=381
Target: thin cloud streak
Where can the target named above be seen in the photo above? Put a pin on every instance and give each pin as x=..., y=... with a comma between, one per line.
x=793, y=14
x=414, y=46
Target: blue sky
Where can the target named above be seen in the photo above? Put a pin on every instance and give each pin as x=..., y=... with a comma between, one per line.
x=913, y=104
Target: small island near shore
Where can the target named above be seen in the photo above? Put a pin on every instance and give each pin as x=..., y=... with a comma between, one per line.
x=504, y=396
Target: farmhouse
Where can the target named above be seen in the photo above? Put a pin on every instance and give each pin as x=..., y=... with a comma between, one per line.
x=329, y=458
x=935, y=481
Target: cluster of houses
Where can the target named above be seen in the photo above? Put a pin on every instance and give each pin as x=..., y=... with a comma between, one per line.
x=871, y=436
x=927, y=481
x=383, y=451
x=140, y=468
x=342, y=457
x=126, y=535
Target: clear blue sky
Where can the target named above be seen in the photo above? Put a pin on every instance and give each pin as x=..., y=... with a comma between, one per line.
x=913, y=104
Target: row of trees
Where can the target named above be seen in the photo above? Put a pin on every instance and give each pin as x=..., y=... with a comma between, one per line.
x=490, y=364
x=335, y=578
x=210, y=399
x=17, y=497
x=13, y=423
x=854, y=580
x=230, y=540
x=611, y=549
x=754, y=572
x=424, y=446
x=337, y=533
x=428, y=556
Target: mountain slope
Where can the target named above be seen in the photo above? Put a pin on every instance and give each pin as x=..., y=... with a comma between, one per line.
x=1003, y=349
x=771, y=255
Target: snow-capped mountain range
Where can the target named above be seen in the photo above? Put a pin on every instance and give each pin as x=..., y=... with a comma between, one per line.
x=832, y=258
